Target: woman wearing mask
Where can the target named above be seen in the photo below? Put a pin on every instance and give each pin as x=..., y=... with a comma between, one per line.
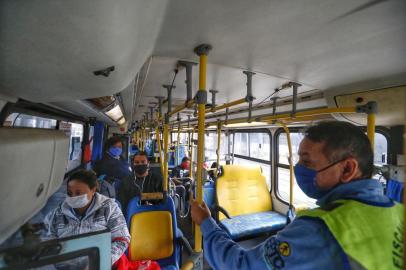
x=142, y=180
x=84, y=210
x=112, y=164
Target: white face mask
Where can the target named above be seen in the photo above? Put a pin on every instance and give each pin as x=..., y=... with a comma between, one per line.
x=78, y=201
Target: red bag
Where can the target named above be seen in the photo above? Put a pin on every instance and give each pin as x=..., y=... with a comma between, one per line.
x=87, y=153
x=124, y=264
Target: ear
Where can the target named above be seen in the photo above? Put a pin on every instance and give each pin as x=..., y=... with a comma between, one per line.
x=350, y=170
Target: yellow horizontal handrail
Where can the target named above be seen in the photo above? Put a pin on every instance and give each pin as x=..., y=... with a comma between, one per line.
x=227, y=105
x=182, y=107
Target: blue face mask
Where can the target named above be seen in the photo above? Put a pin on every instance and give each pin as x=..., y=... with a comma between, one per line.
x=115, y=151
x=306, y=179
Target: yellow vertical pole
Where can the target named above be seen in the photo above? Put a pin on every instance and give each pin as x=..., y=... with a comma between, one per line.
x=177, y=144
x=202, y=51
x=218, y=145
x=138, y=138
x=291, y=172
x=158, y=138
x=165, y=139
x=371, y=128
x=191, y=154
x=141, y=139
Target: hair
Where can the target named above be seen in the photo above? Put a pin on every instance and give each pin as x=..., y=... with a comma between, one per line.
x=87, y=177
x=112, y=141
x=141, y=153
x=185, y=159
x=341, y=140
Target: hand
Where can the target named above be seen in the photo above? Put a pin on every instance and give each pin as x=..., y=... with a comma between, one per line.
x=199, y=212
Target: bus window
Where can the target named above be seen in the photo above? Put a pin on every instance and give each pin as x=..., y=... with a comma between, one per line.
x=210, y=143
x=260, y=146
x=183, y=136
x=75, y=133
x=241, y=143
x=253, y=149
x=380, y=150
x=282, y=170
x=24, y=120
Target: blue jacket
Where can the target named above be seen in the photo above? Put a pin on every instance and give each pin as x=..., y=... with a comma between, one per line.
x=112, y=167
x=309, y=243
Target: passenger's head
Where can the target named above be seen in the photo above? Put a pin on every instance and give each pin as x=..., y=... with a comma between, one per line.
x=185, y=163
x=141, y=164
x=81, y=187
x=336, y=153
x=212, y=172
x=114, y=146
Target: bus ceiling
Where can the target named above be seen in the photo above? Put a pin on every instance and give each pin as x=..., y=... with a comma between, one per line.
x=78, y=52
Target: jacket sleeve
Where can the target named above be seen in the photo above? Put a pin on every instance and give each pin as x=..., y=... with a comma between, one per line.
x=294, y=247
x=49, y=223
x=120, y=237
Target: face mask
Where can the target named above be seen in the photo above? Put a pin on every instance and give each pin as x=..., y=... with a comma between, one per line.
x=306, y=179
x=140, y=169
x=115, y=151
x=184, y=166
x=77, y=201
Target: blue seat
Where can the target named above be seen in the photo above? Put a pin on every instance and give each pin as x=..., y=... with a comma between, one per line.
x=394, y=190
x=208, y=193
x=253, y=224
x=152, y=240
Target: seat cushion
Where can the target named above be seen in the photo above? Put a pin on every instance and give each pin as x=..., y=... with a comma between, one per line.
x=252, y=224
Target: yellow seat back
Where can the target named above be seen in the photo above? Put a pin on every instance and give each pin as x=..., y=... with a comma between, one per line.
x=242, y=190
x=151, y=235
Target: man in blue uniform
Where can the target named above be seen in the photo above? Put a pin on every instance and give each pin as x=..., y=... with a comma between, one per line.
x=355, y=226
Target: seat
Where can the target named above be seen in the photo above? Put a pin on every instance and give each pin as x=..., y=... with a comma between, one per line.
x=208, y=193
x=152, y=240
x=242, y=194
x=394, y=190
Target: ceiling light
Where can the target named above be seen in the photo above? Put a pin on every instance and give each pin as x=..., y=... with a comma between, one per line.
x=121, y=121
x=115, y=113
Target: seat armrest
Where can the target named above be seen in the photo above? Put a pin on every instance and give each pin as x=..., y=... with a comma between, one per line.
x=216, y=209
x=185, y=244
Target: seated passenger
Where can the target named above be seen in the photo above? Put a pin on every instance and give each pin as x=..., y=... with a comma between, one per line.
x=181, y=171
x=84, y=210
x=213, y=172
x=142, y=180
x=356, y=226
x=112, y=164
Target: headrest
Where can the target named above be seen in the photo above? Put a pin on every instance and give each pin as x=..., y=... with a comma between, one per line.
x=32, y=168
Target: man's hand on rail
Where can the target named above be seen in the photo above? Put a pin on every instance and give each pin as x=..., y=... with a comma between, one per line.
x=199, y=212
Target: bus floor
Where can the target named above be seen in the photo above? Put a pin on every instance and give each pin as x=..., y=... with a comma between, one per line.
x=185, y=224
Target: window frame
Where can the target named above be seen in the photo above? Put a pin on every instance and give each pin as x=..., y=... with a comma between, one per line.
x=262, y=161
x=276, y=163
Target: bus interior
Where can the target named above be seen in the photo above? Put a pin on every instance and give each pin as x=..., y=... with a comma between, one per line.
x=229, y=84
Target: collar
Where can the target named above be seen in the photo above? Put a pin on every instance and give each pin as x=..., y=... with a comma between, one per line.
x=368, y=190
x=114, y=157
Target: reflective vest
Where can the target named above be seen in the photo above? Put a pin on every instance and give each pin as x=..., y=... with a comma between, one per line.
x=370, y=235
